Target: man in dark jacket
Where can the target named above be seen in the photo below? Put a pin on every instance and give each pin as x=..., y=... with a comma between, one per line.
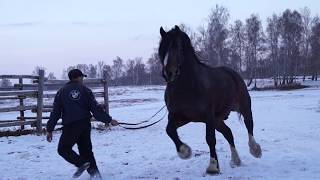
x=74, y=103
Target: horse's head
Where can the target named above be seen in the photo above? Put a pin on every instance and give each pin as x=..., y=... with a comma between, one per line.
x=171, y=52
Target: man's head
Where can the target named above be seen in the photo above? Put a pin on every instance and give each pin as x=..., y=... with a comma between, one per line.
x=76, y=75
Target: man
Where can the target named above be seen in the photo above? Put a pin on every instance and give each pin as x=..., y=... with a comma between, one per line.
x=74, y=103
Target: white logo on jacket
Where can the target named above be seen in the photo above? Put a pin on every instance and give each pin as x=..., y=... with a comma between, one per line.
x=75, y=94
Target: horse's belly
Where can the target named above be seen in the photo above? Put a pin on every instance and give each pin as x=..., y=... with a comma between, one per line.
x=190, y=113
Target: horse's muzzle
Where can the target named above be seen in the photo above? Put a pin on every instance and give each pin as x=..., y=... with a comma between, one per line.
x=169, y=76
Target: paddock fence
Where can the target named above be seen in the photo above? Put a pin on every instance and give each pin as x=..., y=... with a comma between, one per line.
x=28, y=96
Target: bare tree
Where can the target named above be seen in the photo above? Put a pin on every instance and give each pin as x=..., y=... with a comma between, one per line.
x=130, y=70
x=154, y=66
x=100, y=69
x=237, y=43
x=64, y=74
x=108, y=69
x=36, y=70
x=140, y=71
x=51, y=76
x=213, y=37
x=291, y=36
x=117, y=69
x=306, y=34
x=273, y=35
x=315, y=49
x=254, y=39
x=92, y=71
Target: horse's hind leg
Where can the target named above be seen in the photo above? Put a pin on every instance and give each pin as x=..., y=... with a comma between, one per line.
x=227, y=133
x=184, y=151
x=245, y=110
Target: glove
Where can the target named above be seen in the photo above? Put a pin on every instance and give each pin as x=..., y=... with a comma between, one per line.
x=114, y=122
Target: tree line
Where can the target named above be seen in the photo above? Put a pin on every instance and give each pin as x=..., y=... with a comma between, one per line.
x=120, y=72
x=286, y=46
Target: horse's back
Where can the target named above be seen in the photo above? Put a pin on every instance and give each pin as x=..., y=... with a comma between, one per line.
x=237, y=79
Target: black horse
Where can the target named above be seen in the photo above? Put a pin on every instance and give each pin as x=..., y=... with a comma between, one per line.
x=196, y=92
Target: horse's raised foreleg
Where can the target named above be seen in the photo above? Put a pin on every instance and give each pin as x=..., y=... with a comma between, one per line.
x=227, y=133
x=213, y=167
x=184, y=151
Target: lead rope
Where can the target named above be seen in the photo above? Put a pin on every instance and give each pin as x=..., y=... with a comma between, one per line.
x=139, y=123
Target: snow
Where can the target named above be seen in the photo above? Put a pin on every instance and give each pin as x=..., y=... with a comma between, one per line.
x=287, y=126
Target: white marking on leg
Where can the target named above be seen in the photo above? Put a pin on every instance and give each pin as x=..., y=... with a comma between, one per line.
x=235, y=159
x=251, y=139
x=165, y=62
x=213, y=166
x=184, y=151
x=255, y=148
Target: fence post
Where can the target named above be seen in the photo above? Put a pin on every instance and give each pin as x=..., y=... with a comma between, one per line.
x=105, y=90
x=40, y=101
x=21, y=102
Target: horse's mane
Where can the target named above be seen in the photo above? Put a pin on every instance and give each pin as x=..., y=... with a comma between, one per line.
x=186, y=43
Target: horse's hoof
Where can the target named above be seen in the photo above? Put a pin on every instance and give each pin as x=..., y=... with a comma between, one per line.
x=235, y=163
x=213, y=168
x=235, y=159
x=184, y=151
x=213, y=172
x=255, y=150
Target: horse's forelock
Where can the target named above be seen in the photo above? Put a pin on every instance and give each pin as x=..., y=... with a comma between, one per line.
x=173, y=35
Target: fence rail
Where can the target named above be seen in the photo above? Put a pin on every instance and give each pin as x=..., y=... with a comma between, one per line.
x=18, y=108
x=19, y=93
x=18, y=77
x=37, y=90
x=17, y=123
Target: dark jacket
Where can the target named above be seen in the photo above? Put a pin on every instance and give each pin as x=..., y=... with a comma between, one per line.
x=75, y=102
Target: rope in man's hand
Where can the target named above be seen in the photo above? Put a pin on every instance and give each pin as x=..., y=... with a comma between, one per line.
x=113, y=122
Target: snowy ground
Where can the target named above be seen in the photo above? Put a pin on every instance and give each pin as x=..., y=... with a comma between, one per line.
x=287, y=126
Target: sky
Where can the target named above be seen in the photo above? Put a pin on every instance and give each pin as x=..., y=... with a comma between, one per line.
x=58, y=33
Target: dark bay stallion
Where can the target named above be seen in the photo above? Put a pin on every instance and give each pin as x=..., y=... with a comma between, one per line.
x=196, y=92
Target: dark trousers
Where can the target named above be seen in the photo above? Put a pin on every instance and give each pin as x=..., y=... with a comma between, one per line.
x=78, y=133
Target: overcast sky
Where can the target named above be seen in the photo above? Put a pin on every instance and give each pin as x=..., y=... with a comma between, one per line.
x=59, y=33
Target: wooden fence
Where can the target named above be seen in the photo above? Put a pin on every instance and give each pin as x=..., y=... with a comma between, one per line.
x=37, y=90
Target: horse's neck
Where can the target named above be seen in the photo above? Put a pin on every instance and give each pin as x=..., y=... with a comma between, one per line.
x=188, y=73
x=190, y=67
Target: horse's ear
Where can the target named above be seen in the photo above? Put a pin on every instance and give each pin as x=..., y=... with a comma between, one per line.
x=162, y=32
x=177, y=28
